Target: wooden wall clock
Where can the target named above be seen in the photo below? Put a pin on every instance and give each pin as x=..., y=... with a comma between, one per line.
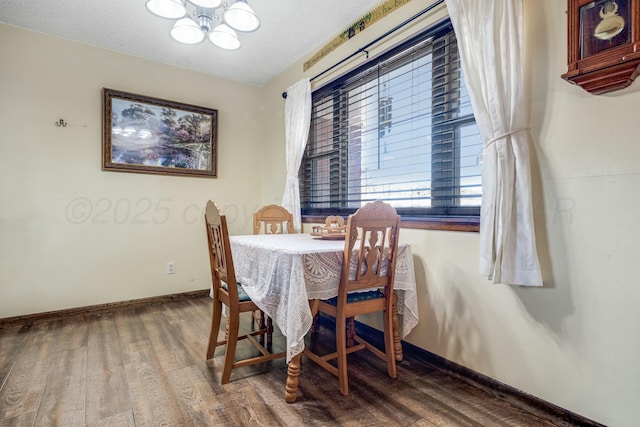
x=603, y=44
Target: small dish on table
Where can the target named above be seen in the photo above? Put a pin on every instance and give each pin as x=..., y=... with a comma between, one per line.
x=333, y=229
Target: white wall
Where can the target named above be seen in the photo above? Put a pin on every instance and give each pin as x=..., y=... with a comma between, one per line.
x=73, y=235
x=574, y=342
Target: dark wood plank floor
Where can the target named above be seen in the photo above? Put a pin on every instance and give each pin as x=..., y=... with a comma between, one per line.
x=146, y=367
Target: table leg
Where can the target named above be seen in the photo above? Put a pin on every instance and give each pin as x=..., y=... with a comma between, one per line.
x=397, y=345
x=293, y=374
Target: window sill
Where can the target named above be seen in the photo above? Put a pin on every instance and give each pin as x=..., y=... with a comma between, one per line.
x=468, y=224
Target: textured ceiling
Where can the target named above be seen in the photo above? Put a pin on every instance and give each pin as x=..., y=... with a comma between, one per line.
x=291, y=30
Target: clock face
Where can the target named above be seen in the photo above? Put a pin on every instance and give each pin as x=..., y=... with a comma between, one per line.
x=604, y=24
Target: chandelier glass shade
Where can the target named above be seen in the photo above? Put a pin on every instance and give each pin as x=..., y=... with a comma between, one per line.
x=241, y=17
x=223, y=36
x=170, y=9
x=187, y=31
x=196, y=19
x=210, y=4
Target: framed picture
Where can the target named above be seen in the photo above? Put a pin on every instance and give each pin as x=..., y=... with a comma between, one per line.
x=150, y=135
x=603, y=44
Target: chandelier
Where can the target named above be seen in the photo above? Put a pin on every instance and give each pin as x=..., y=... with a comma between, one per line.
x=196, y=18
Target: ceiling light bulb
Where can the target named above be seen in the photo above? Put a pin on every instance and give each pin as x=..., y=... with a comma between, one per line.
x=187, y=31
x=170, y=9
x=223, y=36
x=241, y=17
x=209, y=4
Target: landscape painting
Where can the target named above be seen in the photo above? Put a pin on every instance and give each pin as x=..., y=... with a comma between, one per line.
x=151, y=135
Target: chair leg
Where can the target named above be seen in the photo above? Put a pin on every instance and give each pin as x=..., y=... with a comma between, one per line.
x=351, y=332
x=262, y=320
x=261, y=324
x=341, y=349
x=269, y=330
x=314, y=325
x=215, y=328
x=230, y=350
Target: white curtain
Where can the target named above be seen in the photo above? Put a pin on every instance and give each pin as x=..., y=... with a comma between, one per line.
x=490, y=40
x=297, y=117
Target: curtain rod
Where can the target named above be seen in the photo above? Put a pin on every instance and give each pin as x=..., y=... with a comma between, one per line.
x=376, y=40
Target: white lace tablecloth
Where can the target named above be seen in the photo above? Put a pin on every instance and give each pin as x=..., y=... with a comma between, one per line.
x=282, y=272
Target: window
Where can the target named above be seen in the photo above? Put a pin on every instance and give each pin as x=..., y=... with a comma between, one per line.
x=400, y=129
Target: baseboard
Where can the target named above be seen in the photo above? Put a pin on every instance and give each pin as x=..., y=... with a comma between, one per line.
x=100, y=308
x=495, y=387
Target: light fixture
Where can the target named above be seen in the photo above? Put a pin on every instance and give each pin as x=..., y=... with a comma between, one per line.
x=196, y=18
x=170, y=9
x=186, y=31
x=241, y=17
x=209, y=4
x=223, y=36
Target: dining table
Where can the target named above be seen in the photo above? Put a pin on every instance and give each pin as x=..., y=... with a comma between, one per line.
x=281, y=273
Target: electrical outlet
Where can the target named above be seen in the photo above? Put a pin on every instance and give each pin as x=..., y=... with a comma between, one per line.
x=171, y=267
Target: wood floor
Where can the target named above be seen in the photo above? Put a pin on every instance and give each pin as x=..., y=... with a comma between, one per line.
x=146, y=367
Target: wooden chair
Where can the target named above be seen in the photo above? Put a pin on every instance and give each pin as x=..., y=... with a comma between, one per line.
x=272, y=219
x=369, y=263
x=230, y=293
